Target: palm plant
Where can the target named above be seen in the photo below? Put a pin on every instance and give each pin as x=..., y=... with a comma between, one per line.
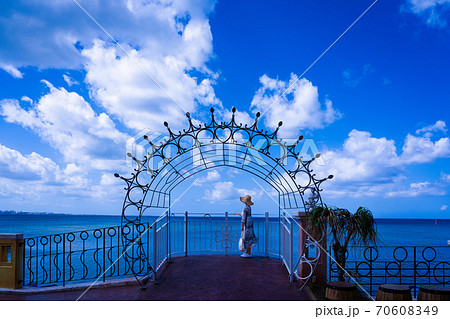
x=346, y=228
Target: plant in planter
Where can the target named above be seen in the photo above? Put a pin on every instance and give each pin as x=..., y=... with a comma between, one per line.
x=357, y=229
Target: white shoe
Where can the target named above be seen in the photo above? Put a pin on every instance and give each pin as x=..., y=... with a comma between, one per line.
x=245, y=255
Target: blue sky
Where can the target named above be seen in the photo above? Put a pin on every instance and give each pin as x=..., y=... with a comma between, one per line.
x=376, y=104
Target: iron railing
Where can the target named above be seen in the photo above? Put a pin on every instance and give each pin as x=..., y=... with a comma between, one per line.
x=76, y=256
x=412, y=266
x=219, y=234
x=98, y=254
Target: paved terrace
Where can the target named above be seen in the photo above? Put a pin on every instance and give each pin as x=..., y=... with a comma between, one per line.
x=191, y=278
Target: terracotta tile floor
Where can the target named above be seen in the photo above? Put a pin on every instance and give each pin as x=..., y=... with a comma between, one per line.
x=198, y=278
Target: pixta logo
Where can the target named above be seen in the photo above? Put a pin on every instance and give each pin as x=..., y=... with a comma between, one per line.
x=141, y=145
x=152, y=147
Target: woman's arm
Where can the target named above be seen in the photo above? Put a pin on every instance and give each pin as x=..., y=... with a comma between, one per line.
x=242, y=223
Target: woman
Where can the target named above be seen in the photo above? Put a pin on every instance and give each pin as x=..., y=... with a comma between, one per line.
x=250, y=239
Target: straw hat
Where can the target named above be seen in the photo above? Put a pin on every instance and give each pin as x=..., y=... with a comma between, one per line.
x=247, y=199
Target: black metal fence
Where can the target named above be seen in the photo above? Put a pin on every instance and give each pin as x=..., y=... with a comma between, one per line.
x=412, y=266
x=98, y=254
x=77, y=256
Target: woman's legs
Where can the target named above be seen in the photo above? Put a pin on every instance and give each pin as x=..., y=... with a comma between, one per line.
x=249, y=251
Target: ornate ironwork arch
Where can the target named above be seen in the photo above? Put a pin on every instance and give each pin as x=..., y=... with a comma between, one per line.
x=179, y=156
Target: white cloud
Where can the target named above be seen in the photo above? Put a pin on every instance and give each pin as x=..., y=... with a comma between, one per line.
x=421, y=149
x=31, y=167
x=430, y=11
x=445, y=177
x=371, y=166
x=438, y=126
x=33, y=173
x=125, y=90
x=11, y=70
x=171, y=41
x=27, y=99
x=109, y=179
x=167, y=41
x=418, y=149
x=69, y=124
x=69, y=80
x=417, y=189
x=299, y=108
x=362, y=158
x=227, y=191
x=211, y=176
x=48, y=34
x=221, y=191
x=444, y=207
x=33, y=177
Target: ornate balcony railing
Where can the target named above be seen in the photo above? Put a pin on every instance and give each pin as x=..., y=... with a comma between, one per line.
x=98, y=254
x=77, y=256
x=219, y=234
x=412, y=266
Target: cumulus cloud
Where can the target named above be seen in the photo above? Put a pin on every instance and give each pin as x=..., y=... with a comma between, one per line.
x=125, y=89
x=49, y=34
x=363, y=158
x=227, y=191
x=444, y=207
x=29, y=174
x=167, y=46
x=372, y=166
x=211, y=176
x=69, y=124
x=32, y=177
x=431, y=11
x=14, y=165
x=299, y=108
x=421, y=149
x=109, y=179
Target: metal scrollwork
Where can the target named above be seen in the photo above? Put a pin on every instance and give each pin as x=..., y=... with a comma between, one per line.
x=94, y=254
x=199, y=147
x=226, y=236
x=405, y=265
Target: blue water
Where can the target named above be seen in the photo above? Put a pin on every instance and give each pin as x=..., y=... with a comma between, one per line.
x=413, y=232
x=32, y=225
x=392, y=232
x=86, y=259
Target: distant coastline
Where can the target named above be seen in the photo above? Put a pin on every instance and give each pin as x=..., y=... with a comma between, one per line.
x=21, y=213
x=13, y=212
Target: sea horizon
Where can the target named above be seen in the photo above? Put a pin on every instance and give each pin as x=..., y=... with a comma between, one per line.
x=392, y=231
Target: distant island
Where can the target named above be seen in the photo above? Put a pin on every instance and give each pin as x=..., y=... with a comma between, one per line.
x=13, y=212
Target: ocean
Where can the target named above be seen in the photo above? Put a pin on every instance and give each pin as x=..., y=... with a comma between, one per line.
x=392, y=232
x=405, y=244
